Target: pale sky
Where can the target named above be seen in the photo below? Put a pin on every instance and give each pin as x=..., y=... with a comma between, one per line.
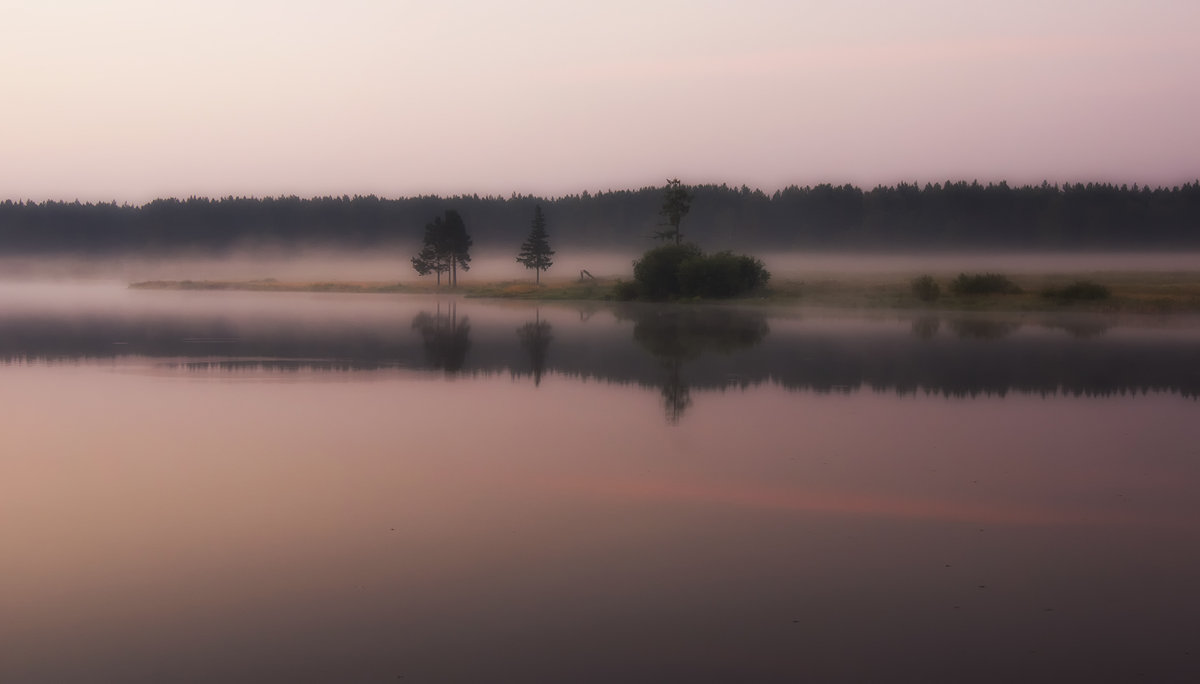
x=129, y=100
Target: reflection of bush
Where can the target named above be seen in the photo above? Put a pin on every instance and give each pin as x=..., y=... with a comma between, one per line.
x=686, y=333
x=926, y=327
x=675, y=334
x=983, y=329
x=674, y=271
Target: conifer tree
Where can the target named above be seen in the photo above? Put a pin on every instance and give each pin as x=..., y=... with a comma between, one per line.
x=457, y=245
x=677, y=201
x=535, y=251
x=445, y=248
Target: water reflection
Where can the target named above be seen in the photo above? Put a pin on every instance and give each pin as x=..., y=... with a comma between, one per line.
x=983, y=328
x=308, y=510
x=679, y=350
x=674, y=335
x=925, y=327
x=535, y=338
x=1081, y=328
x=445, y=337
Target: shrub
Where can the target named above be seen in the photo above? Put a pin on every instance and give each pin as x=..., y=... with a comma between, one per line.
x=1079, y=290
x=719, y=275
x=684, y=271
x=926, y=289
x=625, y=291
x=657, y=272
x=983, y=284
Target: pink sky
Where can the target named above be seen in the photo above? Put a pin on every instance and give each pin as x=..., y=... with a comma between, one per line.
x=131, y=99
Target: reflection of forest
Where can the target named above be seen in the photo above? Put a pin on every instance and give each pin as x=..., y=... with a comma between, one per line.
x=676, y=349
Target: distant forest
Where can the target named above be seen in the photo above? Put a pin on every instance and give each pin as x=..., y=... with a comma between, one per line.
x=954, y=215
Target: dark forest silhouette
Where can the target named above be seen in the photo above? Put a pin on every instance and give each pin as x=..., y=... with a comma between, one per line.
x=942, y=215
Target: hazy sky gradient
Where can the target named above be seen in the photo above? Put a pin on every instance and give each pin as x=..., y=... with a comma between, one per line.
x=133, y=99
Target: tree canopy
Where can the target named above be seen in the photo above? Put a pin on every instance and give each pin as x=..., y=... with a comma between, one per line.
x=445, y=248
x=677, y=201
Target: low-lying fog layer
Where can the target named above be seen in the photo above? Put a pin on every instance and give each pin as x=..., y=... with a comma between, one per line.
x=386, y=265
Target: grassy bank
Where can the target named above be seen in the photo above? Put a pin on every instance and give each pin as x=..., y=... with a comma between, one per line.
x=599, y=289
x=1138, y=292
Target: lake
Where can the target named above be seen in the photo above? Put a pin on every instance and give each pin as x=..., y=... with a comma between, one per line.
x=247, y=487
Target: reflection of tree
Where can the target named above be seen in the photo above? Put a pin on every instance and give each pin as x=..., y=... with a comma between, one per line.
x=1081, y=329
x=446, y=338
x=685, y=333
x=674, y=335
x=676, y=394
x=983, y=328
x=535, y=337
x=926, y=327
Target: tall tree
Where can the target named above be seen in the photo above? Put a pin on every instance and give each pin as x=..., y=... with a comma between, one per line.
x=677, y=200
x=535, y=251
x=457, y=245
x=432, y=258
x=445, y=248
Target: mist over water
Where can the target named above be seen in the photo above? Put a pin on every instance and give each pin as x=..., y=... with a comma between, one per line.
x=392, y=265
x=308, y=487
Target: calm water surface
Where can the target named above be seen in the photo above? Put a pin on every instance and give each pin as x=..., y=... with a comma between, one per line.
x=235, y=487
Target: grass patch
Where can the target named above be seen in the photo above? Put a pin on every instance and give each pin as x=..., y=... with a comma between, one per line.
x=1133, y=292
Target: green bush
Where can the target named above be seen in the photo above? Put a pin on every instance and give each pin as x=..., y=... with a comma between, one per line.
x=983, y=284
x=626, y=290
x=657, y=272
x=926, y=289
x=674, y=271
x=1080, y=290
x=720, y=275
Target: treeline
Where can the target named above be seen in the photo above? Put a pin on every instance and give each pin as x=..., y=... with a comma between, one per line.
x=935, y=216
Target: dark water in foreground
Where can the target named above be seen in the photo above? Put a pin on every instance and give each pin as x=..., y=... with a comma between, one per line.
x=236, y=487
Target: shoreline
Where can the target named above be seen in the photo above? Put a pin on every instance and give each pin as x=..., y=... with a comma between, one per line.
x=1131, y=292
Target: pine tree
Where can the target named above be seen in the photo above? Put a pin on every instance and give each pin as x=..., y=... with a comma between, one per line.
x=535, y=251
x=457, y=245
x=445, y=248
x=677, y=201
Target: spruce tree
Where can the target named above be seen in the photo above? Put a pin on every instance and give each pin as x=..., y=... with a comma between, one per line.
x=535, y=251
